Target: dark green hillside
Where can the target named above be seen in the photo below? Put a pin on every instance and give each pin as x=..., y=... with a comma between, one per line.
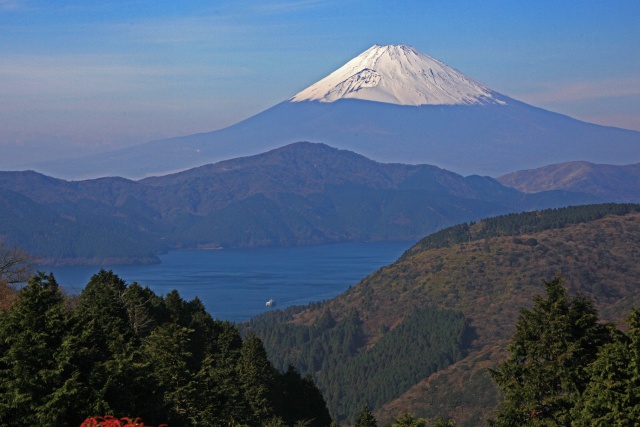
x=85, y=234
x=485, y=281
x=427, y=341
x=518, y=224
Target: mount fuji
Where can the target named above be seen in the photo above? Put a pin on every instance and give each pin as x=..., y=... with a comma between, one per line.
x=392, y=104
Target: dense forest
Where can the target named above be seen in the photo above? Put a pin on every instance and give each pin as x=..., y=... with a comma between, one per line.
x=427, y=341
x=122, y=350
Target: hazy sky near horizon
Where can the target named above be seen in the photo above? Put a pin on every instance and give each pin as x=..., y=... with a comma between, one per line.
x=80, y=76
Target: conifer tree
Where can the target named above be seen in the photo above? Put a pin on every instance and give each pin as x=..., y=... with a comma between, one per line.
x=125, y=351
x=36, y=388
x=550, y=351
x=166, y=352
x=612, y=396
x=365, y=418
x=299, y=400
x=409, y=420
x=257, y=378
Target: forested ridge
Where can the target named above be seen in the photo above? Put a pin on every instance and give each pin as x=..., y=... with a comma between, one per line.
x=516, y=224
x=485, y=281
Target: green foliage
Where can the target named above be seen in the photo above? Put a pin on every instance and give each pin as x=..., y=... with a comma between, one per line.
x=365, y=418
x=36, y=386
x=612, y=395
x=123, y=350
x=409, y=420
x=567, y=369
x=552, y=347
x=348, y=373
x=300, y=397
x=257, y=378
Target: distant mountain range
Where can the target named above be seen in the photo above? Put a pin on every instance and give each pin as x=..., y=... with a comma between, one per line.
x=615, y=183
x=392, y=104
x=418, y=335
x=296, y=195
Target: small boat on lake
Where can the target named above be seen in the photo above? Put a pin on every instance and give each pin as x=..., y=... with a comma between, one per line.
x=271, y=303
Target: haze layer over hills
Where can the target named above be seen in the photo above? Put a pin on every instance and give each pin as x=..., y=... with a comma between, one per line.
x=391, y=104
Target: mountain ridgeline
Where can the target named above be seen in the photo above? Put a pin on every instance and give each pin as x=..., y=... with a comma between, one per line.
x=419, y=334
x=618, y=183
x=297, y=195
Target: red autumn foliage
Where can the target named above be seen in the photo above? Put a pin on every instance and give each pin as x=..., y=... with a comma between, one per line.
x=111, y=421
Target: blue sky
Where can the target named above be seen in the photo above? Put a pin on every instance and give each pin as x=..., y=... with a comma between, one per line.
x=81, y=76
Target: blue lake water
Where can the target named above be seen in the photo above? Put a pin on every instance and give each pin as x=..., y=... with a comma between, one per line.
x=234, y=284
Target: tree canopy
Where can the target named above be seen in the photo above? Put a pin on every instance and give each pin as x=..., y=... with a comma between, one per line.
x=125, y=351
x=565, y=368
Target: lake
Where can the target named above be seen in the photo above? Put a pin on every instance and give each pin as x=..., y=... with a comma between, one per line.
x=235, y=284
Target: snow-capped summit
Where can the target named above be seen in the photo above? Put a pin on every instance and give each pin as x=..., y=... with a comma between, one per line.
x=398, y=74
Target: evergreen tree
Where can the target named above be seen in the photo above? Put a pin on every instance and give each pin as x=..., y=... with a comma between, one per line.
x=257, y=379
x=166, y=353
x=365, y=418
x=550, y=351
x=409, y=420
x=125, y=351
x=105, y=347
x=612, y=396
x=299, y=400
x=222, y=400
x=36, y=385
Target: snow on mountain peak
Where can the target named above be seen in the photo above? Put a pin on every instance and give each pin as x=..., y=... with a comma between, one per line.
x=398, y=74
